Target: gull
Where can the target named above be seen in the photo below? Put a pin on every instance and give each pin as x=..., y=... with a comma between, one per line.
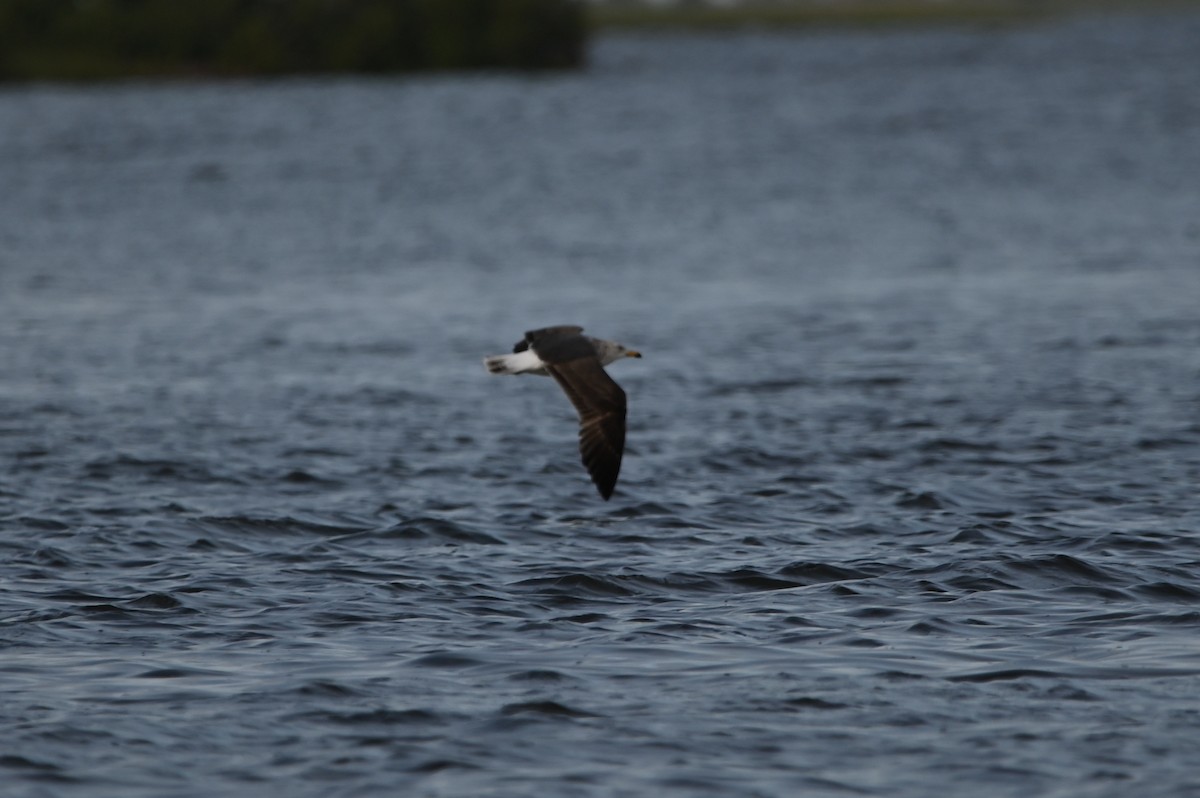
x=577, y=362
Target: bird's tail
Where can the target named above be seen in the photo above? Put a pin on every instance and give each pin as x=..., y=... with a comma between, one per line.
x=523, y=362
x=500, y=364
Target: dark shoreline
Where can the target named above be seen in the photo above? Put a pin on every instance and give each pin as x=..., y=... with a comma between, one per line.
x=116, y=39
x=55, y=40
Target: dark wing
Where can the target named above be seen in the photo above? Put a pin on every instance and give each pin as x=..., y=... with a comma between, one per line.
x=550, y=337
x=601, y=406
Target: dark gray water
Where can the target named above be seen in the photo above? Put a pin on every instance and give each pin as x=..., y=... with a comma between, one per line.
x=909, y=504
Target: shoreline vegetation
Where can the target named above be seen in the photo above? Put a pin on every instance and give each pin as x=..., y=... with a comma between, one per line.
x=82, y=40
x=91, y=40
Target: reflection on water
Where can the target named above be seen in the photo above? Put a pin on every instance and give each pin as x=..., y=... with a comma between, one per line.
x=912, y=447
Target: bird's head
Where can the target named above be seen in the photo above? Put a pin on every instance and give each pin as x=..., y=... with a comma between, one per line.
x=611, y=351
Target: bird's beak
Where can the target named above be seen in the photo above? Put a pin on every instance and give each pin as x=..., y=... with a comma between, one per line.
x=633, y=353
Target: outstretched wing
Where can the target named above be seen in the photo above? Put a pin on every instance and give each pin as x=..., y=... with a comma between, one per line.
x=601, y=405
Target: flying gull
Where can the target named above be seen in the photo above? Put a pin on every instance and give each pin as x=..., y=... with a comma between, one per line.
x=577, y=362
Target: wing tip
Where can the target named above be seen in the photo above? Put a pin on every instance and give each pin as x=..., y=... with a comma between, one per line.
x=604, y=470
x=605, y=479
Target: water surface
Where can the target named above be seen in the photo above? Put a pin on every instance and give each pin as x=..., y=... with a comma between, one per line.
x=908, y=505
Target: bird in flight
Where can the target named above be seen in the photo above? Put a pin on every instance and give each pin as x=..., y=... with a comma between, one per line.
x=577, y=362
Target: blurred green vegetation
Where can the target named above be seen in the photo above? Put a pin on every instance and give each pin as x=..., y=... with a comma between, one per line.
x=100, y=39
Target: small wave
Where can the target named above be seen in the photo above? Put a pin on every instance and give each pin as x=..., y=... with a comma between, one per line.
x=438, y=765
x=299, y=476
x=925, y=500
x=985, y=533
x=155, y=601
x=742, y=457
x=1168, y=591
x=651, y=510
x=947, y=444
x=579, y=587
x=254, y=526
x=882, y=381
x=47, y=557
x=325, y=688
x=538, y=675
x=1060, y=566
x=173, y=673
x=750, y=579
x=385, y=397
x=434, y=529
x=126, y=466
x=104, y=612
x=809, y=702
x=1005, y=674
x=548, y=708
x=376, y=717
x=35, y=769
x=585, y=618
x=446, y=659
x=1154, y=444
x=42, y=524
x=761, y=387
